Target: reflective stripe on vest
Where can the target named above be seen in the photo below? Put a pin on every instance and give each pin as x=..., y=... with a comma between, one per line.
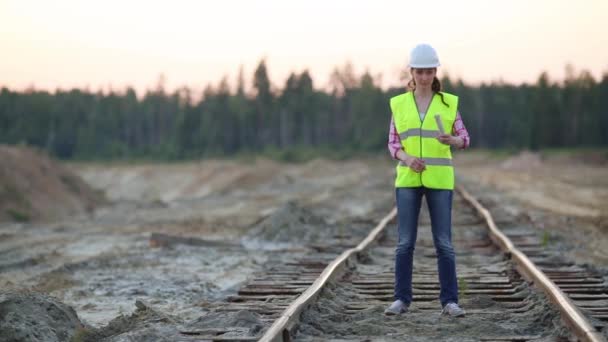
x=433, y=161
x=419, y=139
x=412, y=132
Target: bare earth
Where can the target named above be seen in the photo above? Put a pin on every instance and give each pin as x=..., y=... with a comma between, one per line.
x=565, y=196
x=100, y=262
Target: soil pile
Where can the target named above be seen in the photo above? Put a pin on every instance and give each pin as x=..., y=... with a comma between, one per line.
x=296, y=225
x=525, y=160
x=290, y=223
x=34, y=317
x=34, y=187
x=144, y=324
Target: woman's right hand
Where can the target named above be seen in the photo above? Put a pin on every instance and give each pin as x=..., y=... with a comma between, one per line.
x=414, y=163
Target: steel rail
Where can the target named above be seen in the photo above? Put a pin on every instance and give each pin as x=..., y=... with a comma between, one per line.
x=281, y=328
x=570, y=313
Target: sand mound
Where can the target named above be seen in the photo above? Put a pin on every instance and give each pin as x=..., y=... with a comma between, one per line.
x=290, y=223
x=295, y=225
x=144, y=324
x=35, y=317
x=525, y=160
x=35, y=187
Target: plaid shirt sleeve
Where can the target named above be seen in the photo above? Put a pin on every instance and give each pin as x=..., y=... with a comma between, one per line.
x=460, y=130
x=394, y=142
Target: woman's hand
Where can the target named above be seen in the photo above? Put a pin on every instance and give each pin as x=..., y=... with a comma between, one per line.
x=414, y=163
x=451, y=140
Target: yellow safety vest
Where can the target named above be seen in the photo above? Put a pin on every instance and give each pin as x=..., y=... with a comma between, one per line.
x=419, y=139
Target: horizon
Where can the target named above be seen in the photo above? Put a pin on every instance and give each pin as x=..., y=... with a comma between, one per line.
x=194, y=45
x=232, y=84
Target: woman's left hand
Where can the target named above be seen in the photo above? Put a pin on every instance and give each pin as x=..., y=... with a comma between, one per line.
x=451, y=140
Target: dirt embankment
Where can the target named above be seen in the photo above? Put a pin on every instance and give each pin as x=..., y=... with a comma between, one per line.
x=562, y=194
x=569, y=184
x=35, y=187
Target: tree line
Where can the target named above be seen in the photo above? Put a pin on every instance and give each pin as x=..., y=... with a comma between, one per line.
x=353, y=115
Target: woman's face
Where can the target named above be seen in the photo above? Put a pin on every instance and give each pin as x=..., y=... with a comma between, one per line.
x=424, y=77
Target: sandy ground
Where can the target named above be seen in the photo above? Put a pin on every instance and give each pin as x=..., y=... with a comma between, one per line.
x=101, y=262
x=564, y=196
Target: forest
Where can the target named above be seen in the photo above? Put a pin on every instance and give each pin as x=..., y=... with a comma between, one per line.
x=299, y=118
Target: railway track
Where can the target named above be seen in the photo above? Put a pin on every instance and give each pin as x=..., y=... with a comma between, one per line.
x=512, y=287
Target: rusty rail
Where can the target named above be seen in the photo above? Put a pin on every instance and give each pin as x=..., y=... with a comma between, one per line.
x=280, y=329
x=570, y=313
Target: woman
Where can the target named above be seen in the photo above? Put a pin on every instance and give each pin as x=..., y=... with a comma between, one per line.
x=425, y=168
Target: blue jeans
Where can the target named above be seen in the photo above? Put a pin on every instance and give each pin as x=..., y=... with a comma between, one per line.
x=440, y=209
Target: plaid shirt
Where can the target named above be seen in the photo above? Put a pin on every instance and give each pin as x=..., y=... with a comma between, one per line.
x=394, y=142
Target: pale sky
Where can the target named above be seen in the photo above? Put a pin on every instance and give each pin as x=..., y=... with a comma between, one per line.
x=98, y=44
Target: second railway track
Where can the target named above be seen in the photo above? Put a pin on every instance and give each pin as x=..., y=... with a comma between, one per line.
x=324, y=297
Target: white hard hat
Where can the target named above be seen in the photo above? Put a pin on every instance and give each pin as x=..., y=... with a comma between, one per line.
x=423, y=56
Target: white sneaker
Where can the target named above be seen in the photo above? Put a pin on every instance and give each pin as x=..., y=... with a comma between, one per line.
x=398, y=307
x=452, y=309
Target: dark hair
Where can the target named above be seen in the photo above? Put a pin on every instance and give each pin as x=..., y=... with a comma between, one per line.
x=435, y=87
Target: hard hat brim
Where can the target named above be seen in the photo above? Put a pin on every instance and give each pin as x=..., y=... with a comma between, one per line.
x=424, y=66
